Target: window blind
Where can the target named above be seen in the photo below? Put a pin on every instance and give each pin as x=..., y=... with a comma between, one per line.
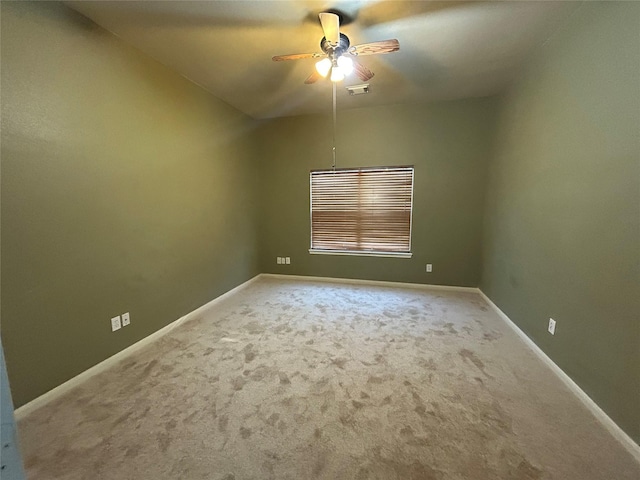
x=362, y=210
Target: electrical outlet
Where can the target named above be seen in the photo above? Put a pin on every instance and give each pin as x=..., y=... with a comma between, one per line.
x=126, y=320
x=279, y=261
x=552, y=326
x=115, y=323
x=429, y=268
x=287, y=260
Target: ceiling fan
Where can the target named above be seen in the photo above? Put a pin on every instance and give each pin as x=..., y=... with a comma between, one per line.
x=338, y=55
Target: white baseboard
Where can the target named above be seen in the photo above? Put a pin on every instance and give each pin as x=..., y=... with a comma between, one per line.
x=378, y=283
x=60, y=390
x=631, y=446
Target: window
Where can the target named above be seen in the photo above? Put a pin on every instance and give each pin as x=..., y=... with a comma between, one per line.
x=362, y=211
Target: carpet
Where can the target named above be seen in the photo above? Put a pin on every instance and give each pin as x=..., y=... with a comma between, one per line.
x=296, y=379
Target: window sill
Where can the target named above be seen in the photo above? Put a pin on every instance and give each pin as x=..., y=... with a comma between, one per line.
x=361, y=254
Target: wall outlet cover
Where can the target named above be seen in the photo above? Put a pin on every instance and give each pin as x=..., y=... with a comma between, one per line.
x=429, y=267
x=115, y=323
x=279, y=260
x=126, y=320
x=552, y=326
x=287, y=260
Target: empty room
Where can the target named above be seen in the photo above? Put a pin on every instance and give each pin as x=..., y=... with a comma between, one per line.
x=247, y=240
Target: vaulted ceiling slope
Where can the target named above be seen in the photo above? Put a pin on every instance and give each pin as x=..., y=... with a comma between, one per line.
x=448, y=50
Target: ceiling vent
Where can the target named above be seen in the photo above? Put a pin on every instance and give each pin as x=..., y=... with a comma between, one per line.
x=358, y=89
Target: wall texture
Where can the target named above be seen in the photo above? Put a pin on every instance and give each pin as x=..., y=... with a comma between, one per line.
x=562, y=223
x=448, y=143
x=124, y=188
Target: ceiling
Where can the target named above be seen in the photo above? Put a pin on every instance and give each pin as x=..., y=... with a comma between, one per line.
x=448, y=49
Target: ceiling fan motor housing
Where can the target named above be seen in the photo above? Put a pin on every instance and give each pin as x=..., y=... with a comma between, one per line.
x=342, y=47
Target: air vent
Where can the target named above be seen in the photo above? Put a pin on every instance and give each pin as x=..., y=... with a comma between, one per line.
x=358, y=89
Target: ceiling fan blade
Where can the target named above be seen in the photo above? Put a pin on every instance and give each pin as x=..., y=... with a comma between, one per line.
x=373, y=48
x=296, y=56
x=363, y=72
x=313, y=78
x=331, y=27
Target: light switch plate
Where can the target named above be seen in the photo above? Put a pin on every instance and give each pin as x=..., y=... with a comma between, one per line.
x=115, y=323
x=287, y=260
x=125, y=319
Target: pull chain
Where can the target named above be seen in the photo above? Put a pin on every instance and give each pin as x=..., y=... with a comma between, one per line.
x=334, y=125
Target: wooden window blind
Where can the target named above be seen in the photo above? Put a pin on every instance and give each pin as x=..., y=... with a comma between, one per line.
x=364, y=210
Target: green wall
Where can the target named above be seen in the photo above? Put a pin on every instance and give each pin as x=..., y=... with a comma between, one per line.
x=449, y=144
x=562, y=220
x=124, y=188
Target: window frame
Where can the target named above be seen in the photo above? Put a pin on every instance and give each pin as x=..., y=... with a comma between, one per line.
x=366, y=253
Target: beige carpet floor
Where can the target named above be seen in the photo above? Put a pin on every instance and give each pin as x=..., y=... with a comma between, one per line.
x=309, y=380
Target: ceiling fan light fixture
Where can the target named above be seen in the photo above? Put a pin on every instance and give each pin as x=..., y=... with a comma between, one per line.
x=323, y=66
x=345, y=64
x=337, y=75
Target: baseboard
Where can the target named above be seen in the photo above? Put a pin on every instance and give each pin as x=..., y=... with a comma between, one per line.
x=379, y=283
x=63, y=388
x=630, y=445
